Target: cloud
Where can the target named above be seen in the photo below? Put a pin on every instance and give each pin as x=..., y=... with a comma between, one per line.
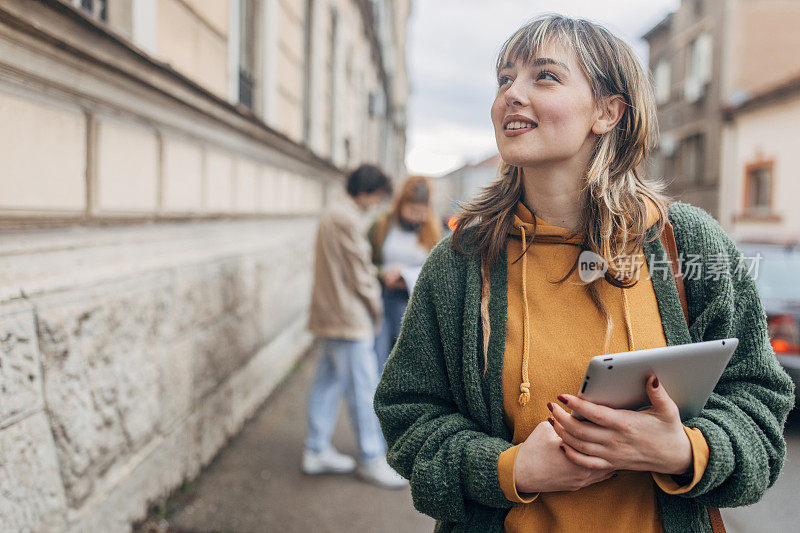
x=435, y=150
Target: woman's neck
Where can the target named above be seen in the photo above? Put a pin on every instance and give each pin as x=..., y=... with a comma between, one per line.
x=556, y=197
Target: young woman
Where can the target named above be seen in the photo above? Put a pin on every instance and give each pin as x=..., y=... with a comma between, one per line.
x=474, y=398
x=401, y=240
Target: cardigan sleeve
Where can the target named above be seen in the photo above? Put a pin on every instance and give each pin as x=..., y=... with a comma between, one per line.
x=450, y=461
x=743, y=419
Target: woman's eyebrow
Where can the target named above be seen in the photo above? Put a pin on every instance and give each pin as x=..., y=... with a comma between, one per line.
x=541, y=61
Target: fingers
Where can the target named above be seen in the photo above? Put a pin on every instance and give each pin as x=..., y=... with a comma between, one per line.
x=660, y=400
x=599, y=414
x=584, y=460
x=588, y=448
x=585, y=431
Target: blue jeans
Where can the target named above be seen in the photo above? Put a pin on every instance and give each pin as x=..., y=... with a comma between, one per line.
x=394, y=305
x=345, y=366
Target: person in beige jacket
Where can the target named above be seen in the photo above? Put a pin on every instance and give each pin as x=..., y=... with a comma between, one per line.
x=346, y=311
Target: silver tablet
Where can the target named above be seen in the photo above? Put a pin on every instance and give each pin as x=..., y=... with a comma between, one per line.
x=688, y=372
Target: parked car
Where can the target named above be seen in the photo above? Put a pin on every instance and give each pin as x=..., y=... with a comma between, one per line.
x=778, y=279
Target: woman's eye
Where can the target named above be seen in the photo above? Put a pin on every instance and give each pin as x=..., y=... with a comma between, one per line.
x=502, y=80
x=546, y=74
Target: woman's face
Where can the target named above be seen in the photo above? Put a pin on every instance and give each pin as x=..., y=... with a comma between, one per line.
x=414, y=212
x=544, y=110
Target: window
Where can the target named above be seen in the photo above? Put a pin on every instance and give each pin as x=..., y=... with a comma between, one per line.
x=758, y=188
x=376, y=105
x=662, y=76
x=96, y=9
x=699, y=67
x=247, y=51
x=668, y=167
x=308, y=29
x=694, y=158
x=332, y=69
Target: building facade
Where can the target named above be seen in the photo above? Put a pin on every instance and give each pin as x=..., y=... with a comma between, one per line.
x=761, y=161
x=463, y=184
x=686, y=66
x=162, y=163
x=705, y=57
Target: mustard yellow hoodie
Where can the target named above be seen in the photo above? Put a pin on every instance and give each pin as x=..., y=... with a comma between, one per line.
x=553, y=329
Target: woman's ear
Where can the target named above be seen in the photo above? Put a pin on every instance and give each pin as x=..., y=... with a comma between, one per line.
x=610, y=110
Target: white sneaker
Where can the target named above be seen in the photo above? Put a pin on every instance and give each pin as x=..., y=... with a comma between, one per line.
x=328, y=461
x=378, y=472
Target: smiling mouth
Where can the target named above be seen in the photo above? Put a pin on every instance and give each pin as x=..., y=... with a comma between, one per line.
x=519, y=125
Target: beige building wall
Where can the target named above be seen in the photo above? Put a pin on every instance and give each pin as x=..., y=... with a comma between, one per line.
x=765, y=134
x=127, y=167
x=764, y=44
x=326, y=24
x=219, y=181
x=329, y=97
x=246, y=197
x=215, y=13
x=156, y=258
x=43, y=155
x=183, y=176
x=753, y=45
x=192, y=37
x=290, y=60
x=690, y=124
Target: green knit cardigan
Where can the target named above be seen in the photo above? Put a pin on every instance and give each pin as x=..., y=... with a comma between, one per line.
x=443, y=418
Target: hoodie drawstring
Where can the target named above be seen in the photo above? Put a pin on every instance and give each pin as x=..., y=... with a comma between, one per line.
x=525, y=386
x=628, y=328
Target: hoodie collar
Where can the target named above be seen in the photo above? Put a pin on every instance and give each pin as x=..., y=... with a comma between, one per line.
x=523, y=217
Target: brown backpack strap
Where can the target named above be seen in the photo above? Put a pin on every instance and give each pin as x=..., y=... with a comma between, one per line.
x=668, y=241
x=715, y=518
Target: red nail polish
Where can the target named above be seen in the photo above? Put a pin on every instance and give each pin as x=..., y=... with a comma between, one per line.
x=550, y=406
x=552, y=421
x=562, y=399
x=655, y=383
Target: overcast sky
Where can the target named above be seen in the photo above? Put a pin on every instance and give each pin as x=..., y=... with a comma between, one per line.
x=451, y=55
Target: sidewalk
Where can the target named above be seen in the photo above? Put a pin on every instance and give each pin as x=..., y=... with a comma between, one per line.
x=255, y=484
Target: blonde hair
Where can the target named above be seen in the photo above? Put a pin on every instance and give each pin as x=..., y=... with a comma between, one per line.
x=615, y=216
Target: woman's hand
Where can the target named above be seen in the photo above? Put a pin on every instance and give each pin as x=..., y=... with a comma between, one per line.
x=542, y=466
x=393, y=279
x=653, y=440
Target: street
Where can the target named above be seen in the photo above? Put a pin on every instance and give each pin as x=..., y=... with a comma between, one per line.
x=255, y=485
x=778, y=511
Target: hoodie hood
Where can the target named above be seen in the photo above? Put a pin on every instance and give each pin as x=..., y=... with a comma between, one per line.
x=523, y=218
x=525, y=225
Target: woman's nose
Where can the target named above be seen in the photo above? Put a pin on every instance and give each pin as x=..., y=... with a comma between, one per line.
x=514, y=96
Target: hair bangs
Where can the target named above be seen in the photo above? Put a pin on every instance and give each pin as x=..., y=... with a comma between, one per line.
x=526, y=43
